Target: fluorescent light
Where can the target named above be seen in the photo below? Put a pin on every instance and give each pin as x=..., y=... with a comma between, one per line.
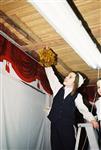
x=60, y=15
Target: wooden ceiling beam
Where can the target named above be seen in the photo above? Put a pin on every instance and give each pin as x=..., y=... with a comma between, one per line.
x=16, y=26
x=26, y=28
x=64, y=65
x=12, y=35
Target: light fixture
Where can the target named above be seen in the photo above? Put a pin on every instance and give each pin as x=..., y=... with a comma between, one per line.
x=61, y=16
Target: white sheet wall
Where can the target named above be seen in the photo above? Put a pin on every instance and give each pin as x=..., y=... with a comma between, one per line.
x=24, y=123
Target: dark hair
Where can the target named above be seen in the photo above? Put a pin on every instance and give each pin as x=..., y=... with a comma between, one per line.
x=76, y=83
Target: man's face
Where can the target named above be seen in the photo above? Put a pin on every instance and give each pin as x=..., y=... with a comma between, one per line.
x=99, y=87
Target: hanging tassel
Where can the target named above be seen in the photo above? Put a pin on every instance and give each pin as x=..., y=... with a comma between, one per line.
x=38, y=84
x=7, y=67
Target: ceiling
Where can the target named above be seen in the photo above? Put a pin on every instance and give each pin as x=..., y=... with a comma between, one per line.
x=31, y=31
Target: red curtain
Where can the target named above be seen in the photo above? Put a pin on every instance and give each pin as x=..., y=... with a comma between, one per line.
x=25, y=67
x=89, y=92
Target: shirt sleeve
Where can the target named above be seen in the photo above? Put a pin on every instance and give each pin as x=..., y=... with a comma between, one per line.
x=83, y=109
x=53, y=80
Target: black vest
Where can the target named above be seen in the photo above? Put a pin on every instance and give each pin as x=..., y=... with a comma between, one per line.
x=63, y=109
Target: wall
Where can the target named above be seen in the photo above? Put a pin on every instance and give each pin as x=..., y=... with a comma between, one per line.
x=24, y=123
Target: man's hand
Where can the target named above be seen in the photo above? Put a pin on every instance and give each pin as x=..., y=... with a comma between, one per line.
x=94, y=123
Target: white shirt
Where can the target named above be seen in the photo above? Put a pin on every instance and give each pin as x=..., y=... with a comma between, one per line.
x=56, y=85
x=98, y=107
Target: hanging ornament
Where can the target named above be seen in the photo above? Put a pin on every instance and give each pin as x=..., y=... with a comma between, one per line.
x=47, y=57
x=38, y=84
x=7, y=67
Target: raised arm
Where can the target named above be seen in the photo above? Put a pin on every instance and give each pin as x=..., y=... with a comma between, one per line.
x=53, y=80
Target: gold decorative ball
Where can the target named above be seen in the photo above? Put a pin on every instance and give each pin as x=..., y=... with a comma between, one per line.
x=47, y=57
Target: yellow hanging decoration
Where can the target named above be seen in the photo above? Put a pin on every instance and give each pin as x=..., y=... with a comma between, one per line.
x=47, y=57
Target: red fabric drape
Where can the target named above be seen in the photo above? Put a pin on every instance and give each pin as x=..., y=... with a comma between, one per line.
x=25, y=67
x=89, y=92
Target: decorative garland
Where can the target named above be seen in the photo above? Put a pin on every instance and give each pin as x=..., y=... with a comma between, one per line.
x=25, y=67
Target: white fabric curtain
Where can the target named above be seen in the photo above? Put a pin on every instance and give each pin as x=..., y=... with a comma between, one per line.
x=24, y=123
